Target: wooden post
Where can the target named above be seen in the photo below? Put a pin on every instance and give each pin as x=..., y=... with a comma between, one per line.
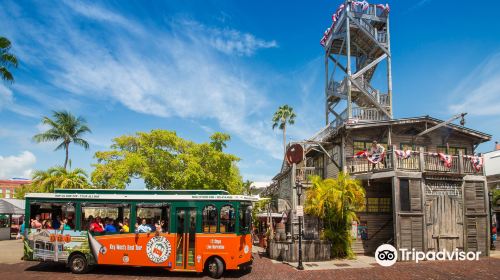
x=395, y=212
x=343, y=159
x=421, y=159
x=348, y=53
x=460, y=163
x=394, y=167
x=389, y=71
x=326, y=88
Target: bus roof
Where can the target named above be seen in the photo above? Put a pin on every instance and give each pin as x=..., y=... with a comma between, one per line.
x=139, y=195
x=147, y=192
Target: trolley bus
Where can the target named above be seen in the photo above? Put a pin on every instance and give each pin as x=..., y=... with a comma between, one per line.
x=192, y=230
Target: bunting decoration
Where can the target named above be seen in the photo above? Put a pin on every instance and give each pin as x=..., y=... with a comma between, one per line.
x=373, y=158
x=477, y=162
x=404, y=154
x=446, y=159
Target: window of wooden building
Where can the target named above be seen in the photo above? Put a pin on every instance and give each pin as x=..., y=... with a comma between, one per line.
x=404, y=195
x=365, y=145
x=451, y=150
x=378, y=205
x=409, y=146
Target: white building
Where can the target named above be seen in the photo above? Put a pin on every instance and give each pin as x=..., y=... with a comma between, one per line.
x=492, y=167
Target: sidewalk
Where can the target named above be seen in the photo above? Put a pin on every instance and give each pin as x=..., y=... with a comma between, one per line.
x=11, y=251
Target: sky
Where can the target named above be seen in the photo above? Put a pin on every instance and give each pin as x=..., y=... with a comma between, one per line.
x=197, y=67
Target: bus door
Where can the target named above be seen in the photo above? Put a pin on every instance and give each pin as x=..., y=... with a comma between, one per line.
x=185, y=244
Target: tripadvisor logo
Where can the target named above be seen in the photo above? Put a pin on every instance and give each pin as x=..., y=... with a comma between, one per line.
x=387, y=255
x=158, y=249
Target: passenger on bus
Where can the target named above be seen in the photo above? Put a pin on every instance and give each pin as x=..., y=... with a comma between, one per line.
x=144, y=227
x=159, y=227
x=36, y=223
x=96, y=225
x=64, y=225
x=124, y=226
x=57, y=222
x=47, y=224
x=109, y=226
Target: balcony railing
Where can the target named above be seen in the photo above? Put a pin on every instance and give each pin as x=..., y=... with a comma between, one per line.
x=303, y=174
x=417, y=161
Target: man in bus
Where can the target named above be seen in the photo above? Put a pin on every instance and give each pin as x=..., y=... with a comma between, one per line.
x=109, y=226
x=36, y=223
x=144, y=227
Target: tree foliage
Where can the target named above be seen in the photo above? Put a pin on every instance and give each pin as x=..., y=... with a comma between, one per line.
x=219, y=140
x=336, y=201
x=166, y=161
x=283, y=116
x=55, y=177
x=7, y=60
x=64, y=127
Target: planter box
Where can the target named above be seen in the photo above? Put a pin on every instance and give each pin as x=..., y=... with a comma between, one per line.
x=312, y=250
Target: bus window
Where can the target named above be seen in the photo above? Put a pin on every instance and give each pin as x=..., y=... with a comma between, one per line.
x=245, y=218
x=227, y=219
x=209, y=219
x=152, y=217
x=105, y=218
x=52, y=215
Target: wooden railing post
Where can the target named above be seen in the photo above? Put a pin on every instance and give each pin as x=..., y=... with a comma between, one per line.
x=394, y=167
x=460, y=163
x=421, y=159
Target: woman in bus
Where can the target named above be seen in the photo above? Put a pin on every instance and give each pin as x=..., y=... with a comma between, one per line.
x=110, y=227
x=96, y=226
x=47, y=224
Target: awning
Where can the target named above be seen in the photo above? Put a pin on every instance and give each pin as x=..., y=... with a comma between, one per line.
x=11, y=206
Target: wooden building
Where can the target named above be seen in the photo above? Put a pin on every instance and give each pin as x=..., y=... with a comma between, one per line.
x=428, y=191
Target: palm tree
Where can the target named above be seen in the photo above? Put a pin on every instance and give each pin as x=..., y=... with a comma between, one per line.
x=6, y=60
x=59, y=177
x=336, y=201
x=66, y=128
x=281, y=117
x=219, y=140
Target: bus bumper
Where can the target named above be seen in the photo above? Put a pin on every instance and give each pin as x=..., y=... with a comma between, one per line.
x=247, y=265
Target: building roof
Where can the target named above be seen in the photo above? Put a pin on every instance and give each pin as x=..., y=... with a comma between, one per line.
x=15, y=182
x=11, y=206
x=330, y=131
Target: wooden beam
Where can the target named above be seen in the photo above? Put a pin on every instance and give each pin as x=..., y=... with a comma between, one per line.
x=338, y=63
x=375, y=102
x=382, y=47
x=370, y=65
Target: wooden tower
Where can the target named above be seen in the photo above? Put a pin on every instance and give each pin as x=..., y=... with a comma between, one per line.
x=355, y=44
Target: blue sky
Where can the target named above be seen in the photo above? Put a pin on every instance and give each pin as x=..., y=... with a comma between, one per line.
x=202, y=66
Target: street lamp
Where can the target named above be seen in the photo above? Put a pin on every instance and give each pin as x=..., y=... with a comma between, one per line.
x=299, y=187
x=492, y=243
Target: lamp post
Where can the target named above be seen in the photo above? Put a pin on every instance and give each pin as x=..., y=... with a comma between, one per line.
x=298, y=186
x=492, y=243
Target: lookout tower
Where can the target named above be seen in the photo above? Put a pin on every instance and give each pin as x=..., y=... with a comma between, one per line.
x=356, y=43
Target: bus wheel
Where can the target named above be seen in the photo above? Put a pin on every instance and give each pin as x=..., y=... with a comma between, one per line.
x=215, y=267
x=78, y=264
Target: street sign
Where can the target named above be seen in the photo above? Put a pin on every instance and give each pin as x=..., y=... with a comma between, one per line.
x=300, y=211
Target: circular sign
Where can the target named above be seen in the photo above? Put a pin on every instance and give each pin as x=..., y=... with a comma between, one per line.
x=295, y=154
x=158, y=249
x=386, y=255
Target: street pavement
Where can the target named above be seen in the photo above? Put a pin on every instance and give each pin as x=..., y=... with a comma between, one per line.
x=11, y=267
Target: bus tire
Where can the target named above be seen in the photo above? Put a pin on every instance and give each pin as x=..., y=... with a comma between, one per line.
x=78, y=264
x=215, y=267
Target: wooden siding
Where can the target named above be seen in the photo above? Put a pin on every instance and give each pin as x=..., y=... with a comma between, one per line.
x=476, y=217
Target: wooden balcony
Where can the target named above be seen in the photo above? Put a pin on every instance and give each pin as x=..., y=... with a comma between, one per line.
x=416, y=161
x=303, y=174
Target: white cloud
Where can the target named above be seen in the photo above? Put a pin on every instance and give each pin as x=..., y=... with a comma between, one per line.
x=479, y=92
x=188, y=70
x=17, y=166
x=5, y=96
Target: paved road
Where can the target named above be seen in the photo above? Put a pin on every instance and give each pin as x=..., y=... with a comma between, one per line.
x=486, y=268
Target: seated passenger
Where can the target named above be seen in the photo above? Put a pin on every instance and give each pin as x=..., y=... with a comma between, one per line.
x=57, y=222
x=64, y=225
x=109, y=226
x=36, y=223
x=159, y=227
x=47, y=224
x=143, y=227
x=124, y=226
x=96, y=225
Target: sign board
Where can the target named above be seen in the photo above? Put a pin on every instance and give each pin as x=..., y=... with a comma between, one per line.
x=300, y=211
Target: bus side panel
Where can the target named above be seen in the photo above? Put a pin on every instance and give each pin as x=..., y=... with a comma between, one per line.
x=55, y=245
x=138, y=249
x=233, y=249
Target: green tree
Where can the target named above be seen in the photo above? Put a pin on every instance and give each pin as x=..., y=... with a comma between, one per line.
x=55, y=177
x=166, y=161
x=247, y=187
x=219, y=140
x=64, y=127
x=283, y=116
x=336, y=201
x=7, y=60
